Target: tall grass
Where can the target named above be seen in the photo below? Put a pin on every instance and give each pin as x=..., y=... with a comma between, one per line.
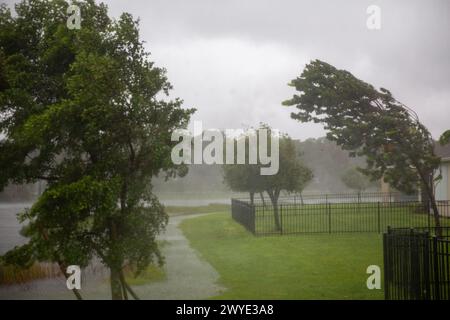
x=10, y=275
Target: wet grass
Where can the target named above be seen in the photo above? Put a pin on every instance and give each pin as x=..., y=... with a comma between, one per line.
x=212, y=207
x=322, y=266
x=343, y=217
x=153, y=273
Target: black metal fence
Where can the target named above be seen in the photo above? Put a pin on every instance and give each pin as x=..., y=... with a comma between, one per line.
x=244, y=213
x=314, y=198
x=416, y=264
x=334, y=214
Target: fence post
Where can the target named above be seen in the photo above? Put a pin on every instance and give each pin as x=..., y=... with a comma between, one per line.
x=414, y=263
x=329, y=217
x=426, y=265
x=253, y=219
x=281, y=218
x=387, y=266
x=437, y=293
x=378, y=217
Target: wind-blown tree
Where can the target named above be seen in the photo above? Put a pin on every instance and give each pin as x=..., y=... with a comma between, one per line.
x=368, y=122
x=85, y=111
x=292, y=176
x=445, y=138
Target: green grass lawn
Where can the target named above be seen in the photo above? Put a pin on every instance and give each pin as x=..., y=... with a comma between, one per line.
x=152, y=273
x=181, y=210
x=322, y=266
x=343, y=217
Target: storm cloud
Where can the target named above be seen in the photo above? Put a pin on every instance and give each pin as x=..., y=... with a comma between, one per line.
x=232, y=59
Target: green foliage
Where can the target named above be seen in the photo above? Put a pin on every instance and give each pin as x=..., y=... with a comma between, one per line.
x=86, y=111
x=292, y=176
x=445, y=138
x=355, y=180
x=368, y=122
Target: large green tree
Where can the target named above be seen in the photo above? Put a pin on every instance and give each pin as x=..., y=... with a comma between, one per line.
x=85, y=111
x=370, y=123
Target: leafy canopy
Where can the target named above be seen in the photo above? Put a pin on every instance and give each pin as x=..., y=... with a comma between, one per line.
x=86, y=111
x=292, y=176
x=366, y=121
x=355, y=180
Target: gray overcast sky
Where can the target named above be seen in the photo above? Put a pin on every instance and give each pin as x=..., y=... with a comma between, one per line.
x=232, y=59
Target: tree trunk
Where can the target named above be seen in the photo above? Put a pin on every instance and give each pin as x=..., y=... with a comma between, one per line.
x=63, y=268
x=425, y=199
x=122, y=283
x=252, y=198
x=427, y=185
x=116, y=285
x=127, y=287
x=115, y=269
x=437, y=220
x=262, y=199
x=274, y=199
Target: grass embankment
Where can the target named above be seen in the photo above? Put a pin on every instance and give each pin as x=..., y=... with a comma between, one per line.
x=325, y=266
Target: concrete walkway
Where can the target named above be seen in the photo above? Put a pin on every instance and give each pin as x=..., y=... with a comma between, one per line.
x=187, y=276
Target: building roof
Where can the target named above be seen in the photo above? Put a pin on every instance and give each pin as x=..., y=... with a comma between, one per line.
x=442, y=151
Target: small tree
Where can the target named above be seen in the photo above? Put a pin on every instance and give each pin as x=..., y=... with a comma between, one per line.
x=355, y=180
x=242, y=178
x=370, y=123
x=292, y=176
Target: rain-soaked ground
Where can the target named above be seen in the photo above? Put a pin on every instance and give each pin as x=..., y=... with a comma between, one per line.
x=187, y=275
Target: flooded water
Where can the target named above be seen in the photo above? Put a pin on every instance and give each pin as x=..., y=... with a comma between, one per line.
x=187, y=276
x=10, y=226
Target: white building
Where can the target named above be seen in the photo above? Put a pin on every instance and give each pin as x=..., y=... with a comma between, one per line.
x=442, y=190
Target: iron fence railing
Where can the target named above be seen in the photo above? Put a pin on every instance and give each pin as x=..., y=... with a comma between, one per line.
x=289, y=216
x=416, y=264
x=244, y=213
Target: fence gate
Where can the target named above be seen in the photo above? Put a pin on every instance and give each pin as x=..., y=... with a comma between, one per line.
x=416, y=265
